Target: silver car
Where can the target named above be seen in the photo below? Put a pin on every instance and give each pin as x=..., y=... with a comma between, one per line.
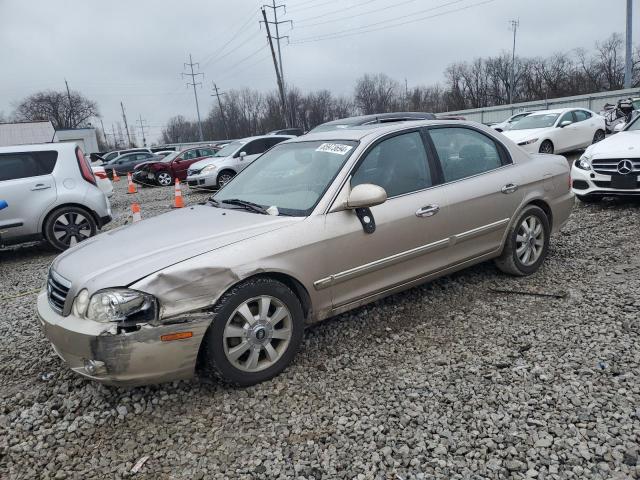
x=216, y=171
x=317, y=226
x=52, y=193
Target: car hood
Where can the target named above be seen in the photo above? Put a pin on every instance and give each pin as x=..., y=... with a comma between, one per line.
x=127, y=254
x=200, y=164
x=524, y=135
x=620, y=145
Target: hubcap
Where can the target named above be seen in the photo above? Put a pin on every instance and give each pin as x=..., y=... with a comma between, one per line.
x=530, y=240
x=71, y=228
x=224, y=179
x=257, y=333
x=164, y=179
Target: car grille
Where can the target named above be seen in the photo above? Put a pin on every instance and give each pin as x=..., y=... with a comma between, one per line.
x=57, y=291
x=609, y=166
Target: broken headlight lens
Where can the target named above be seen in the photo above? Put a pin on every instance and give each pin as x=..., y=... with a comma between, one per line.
x=122, y=305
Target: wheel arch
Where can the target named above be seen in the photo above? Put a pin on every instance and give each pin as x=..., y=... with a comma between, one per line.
x=55, y=208
x=537, y=202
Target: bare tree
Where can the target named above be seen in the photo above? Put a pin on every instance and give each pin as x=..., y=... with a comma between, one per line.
x=377, y=94
x=64, y=111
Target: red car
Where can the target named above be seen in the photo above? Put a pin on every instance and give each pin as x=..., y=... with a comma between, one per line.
x=164, y=172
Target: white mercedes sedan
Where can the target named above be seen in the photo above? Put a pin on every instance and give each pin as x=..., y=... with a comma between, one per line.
x=558, y=131
x=609, y=168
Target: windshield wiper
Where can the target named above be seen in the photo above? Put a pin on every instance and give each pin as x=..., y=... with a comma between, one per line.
x=254, y=207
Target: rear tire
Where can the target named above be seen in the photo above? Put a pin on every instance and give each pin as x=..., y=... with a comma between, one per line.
x=256, y=331
x=527, y=243
x=546, y=147
x=599, y=136
x=67, y=226
x=589, y=198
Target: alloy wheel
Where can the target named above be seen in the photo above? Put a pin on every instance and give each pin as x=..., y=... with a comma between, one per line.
x=223, y=179
x=71, y=228
x=164, y=179
x=530, y=240
x=599, y=136
x=257, y=333
x=546, y=147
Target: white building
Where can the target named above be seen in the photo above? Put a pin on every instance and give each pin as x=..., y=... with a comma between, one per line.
x=84, y=137
x=29, y=133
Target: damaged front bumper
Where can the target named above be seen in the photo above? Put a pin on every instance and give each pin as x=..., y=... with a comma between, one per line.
x=150, y=354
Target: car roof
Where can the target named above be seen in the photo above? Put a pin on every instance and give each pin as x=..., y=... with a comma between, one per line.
x=40, y=147
x=556, y=110
x=257, y=137
x=362, y=119
x=360, y=132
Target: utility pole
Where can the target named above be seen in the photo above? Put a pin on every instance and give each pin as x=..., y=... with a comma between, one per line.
x=113, y=135
x=70, y=104
x=195, y=93
x=104, y=134
x=275, y=64
x=514, y=26
x=126, y=126
x=144, y=140
x=406, y=94
x=628, y=57
x=277, y=38
x=224, y=120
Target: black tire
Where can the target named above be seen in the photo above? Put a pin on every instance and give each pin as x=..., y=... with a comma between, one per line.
x=509, y=261
x=164, y=178
x=589, y=198
x=213, y=360
x=599, y=136
x=81, y=225
x=546, y=147
x=224, y=177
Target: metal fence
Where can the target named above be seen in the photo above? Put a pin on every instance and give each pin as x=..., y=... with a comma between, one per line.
x=593, y=101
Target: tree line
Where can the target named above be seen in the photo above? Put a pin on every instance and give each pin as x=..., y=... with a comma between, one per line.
x=478, y=83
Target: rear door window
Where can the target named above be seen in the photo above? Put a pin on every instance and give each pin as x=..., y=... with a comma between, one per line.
x=190, y=154
x=464, y=152
x=26, y=164
x=205, y=152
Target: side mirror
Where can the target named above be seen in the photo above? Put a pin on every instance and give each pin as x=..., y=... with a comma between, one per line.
x=565, y=123
x=366, y=195
x=242, y=154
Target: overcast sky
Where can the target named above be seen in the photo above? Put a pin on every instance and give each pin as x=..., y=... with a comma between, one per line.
x=133, y=51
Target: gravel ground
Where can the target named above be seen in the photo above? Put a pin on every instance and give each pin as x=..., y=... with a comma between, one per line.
x=448, y=380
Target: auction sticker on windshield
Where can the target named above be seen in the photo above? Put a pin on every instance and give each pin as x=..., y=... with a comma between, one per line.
x=334, y=148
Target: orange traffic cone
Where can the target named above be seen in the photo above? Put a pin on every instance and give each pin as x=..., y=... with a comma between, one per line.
x=115, y=178
x=178, y=202
x=132, y=186
x=135, y=209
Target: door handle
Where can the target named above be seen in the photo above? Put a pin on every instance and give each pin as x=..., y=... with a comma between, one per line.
x=510, y=188
x=41, y=186
x=428, y=211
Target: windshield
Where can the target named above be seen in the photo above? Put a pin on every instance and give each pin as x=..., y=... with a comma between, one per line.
x=229, y=149
x=536, y=121
x=291, y=176
x=170, y=157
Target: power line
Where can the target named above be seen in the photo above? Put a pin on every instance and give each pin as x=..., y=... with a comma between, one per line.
x=360, y=14
x=296, y=8
x=363, y=29
x=195, y=93
x=341, y=10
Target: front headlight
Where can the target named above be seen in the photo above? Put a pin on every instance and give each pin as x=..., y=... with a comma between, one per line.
x=81, y=303
x=528, y=142
x=584, y=162
x=122, y=305
x=209, y=169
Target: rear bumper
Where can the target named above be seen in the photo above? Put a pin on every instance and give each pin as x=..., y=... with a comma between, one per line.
x=99, y=352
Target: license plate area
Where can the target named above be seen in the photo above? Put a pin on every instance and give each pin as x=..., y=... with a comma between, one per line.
x=624, y=182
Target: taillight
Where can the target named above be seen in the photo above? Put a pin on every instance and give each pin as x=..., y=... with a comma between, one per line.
x=85, y=169
x=101, y=175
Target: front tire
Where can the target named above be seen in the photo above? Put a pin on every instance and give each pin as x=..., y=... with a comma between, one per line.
x=256, y=331
x=224, y=177
x=546, y=147
x=164, y=179
x=527, y=243
x=599, y=136
x=68, y=226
